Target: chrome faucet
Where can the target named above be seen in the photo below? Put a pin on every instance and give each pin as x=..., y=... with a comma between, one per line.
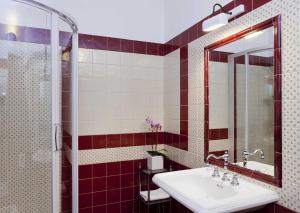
x=246, y=155
x=225, y=157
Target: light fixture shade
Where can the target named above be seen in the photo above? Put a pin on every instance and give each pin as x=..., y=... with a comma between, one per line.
x=215, y=22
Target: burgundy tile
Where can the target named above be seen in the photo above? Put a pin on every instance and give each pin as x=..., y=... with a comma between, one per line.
x=127, y=180
x=161, y=50
x=114, y=208
x=160, y=137
x=99, y=209
x=127, y=193
x=85, y=186
x=85, y=171
x=168, y=47
x=127, y=167
x=193, y=32
x=66, y=203
x=113, y=44
x=176, y=42
x=183, y=142
x=258, y=3
x=66, y=188
x=184, y=127
x=152, y=48
x=85, y=142
x=127, y=45
x=99, y=141
x=184, y=82
x=184, y=68
x=224, y=133
x=183, y=113
x=224, y=57
x=99, y=198
x=85, y=200
x=214, y=56
x=66, y=173
x=99, y=184
x=99, y=170
x=85, y=41
x=151, y=138
x=248, y=4
x=100, y=42
x=183, y=97
x=86, y=210
x=113, y=182
x=113, y=168
x=142, y=162
x=127, y=207
x=168, y=138
x=114, y=196
x=139, y=47
x=113, y=141
x=139, y=139
x=176, y=140
x=200, y=29
x=183, y=53
x=184, y=38
x=126, y=140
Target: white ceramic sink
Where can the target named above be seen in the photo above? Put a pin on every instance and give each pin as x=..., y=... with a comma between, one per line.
x=258, y=166
x=198, y=191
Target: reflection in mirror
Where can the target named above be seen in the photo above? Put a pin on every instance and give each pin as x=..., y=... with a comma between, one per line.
x=241, y=101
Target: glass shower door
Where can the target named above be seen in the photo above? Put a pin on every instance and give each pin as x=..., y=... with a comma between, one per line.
x=25, y=109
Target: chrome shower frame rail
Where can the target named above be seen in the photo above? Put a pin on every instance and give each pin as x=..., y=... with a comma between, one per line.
x=67, y=18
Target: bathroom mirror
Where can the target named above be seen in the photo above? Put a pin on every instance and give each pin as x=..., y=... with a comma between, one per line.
x=243, y=101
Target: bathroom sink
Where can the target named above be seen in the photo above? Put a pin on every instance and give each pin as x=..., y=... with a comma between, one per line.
x=258, y=166
x=198, y=191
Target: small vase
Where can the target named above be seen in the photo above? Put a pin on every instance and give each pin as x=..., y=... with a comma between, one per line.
x=155, y=162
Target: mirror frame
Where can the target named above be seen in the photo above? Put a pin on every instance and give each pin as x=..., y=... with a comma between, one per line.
x=277, y=178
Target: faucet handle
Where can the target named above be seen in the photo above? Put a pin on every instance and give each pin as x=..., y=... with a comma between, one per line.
x=235, y=180
x=216, y=172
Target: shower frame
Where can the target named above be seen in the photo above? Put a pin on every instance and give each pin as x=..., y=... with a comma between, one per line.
x=56, y=123
x=232, y=101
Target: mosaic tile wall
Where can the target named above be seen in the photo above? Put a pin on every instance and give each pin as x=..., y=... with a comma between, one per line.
x=289, y=9
x=25, y=128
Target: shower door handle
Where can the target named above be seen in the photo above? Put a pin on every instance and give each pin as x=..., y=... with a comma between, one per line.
x=56, y=132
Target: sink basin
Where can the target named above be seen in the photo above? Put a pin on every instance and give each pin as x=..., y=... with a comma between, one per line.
x=258, y=166
x=198, y=191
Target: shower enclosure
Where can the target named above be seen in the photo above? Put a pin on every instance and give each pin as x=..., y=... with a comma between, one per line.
x=251, y=105
x=38, y=109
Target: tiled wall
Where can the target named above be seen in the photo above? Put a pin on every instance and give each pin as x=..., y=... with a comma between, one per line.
x=117, y=91
x=289, y=10
x=113, y=186
x=197, y=40
x=120, y=85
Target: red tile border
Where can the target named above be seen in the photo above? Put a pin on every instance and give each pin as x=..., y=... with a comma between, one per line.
x=119, y=140
x=218, y=56
x=218, y=134
x=275, y=22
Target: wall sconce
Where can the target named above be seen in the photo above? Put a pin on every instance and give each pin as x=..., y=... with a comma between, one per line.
x=221, y=19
